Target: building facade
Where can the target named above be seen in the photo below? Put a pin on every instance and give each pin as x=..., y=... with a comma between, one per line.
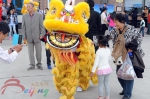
x=127, y=4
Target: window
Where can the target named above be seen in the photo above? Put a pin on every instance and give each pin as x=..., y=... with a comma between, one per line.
x=147, y=3
x=18, y=3
x=64, y=1
x=129, y=6
x=104, y=1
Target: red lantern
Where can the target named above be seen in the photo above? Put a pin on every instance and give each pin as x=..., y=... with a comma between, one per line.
x=1, y=10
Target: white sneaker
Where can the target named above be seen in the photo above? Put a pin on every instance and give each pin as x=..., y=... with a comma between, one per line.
x=79, y=89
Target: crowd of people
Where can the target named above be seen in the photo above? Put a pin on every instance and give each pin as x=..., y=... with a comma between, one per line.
x=10, y=16
x=119, y=30
x=116, y=23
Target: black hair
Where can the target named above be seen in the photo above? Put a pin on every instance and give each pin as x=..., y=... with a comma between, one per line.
x=133, y=45
x=4, y=18
x=10, y=12
x=104, y=9
x=112, y=15
x=125, y=11
x=105, y=3
x=4, y=28
x=135, y=9
x=145, y=7
x=120, y=17
x=103, y=40
x=12, y=5
x=90, y=2
x=148, y=11
x=46, y=8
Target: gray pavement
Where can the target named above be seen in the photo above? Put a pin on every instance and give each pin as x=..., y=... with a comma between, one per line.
x=42, y=79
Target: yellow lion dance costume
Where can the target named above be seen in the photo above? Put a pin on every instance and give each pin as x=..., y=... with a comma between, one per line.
x=24, y=8
x=73, y=53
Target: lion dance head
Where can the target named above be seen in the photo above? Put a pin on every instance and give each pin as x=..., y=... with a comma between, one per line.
x=72, y=51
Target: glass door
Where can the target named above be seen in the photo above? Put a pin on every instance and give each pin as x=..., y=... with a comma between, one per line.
x=147, y=3
x=129, y=6
x=18, y=4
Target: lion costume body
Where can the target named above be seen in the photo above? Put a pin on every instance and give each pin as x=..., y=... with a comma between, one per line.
x=24, y=8
x=72, y=51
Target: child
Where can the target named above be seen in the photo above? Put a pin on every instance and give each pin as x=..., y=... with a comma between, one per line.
x=111, y=21
x=101, y=63
x=4, y=19
x=48, y=54
x=142, y=25
x=16, y=22
x=11, y=22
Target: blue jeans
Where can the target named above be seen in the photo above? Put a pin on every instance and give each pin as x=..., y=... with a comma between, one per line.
x=148, y=29
x=142, y=30
x=127, y=85
x=14, y=29
x=110, y=28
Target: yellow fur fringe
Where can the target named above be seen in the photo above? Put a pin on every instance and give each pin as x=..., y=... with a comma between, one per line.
x=68, y=74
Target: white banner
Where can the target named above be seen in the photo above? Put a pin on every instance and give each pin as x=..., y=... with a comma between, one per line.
x=119, y=0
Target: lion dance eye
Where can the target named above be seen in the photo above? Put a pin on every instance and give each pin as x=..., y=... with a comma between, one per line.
x=53, y=11
x=84, y=16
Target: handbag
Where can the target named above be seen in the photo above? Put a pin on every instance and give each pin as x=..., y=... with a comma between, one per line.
x=119, y=50
x=17, y=39
x=126, y=71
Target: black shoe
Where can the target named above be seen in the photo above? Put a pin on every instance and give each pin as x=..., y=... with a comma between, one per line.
x=125, y=97
x=40, y=67
x=121, y=93
x=31, y=68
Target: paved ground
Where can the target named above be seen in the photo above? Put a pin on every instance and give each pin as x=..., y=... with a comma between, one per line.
x=43, y=79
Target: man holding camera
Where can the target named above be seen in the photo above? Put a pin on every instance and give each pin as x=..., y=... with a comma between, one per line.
x=7, y=56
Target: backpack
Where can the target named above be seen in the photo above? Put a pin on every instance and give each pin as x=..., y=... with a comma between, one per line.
x=119, y=51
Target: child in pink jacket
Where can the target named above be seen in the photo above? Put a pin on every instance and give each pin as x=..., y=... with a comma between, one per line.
x=111, y=21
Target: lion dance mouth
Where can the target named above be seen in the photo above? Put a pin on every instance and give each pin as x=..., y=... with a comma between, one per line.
x=67, y=45
x=72, y=51
x=62, y=40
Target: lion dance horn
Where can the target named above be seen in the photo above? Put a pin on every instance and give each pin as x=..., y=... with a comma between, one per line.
x=70, y=2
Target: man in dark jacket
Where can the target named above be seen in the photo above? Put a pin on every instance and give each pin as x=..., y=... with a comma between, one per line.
x=104, y=7
x=126, y=17
x=94, y=22
x=134, y=17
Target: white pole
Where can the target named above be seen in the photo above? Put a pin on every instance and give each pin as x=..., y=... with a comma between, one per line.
x=48, y=3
